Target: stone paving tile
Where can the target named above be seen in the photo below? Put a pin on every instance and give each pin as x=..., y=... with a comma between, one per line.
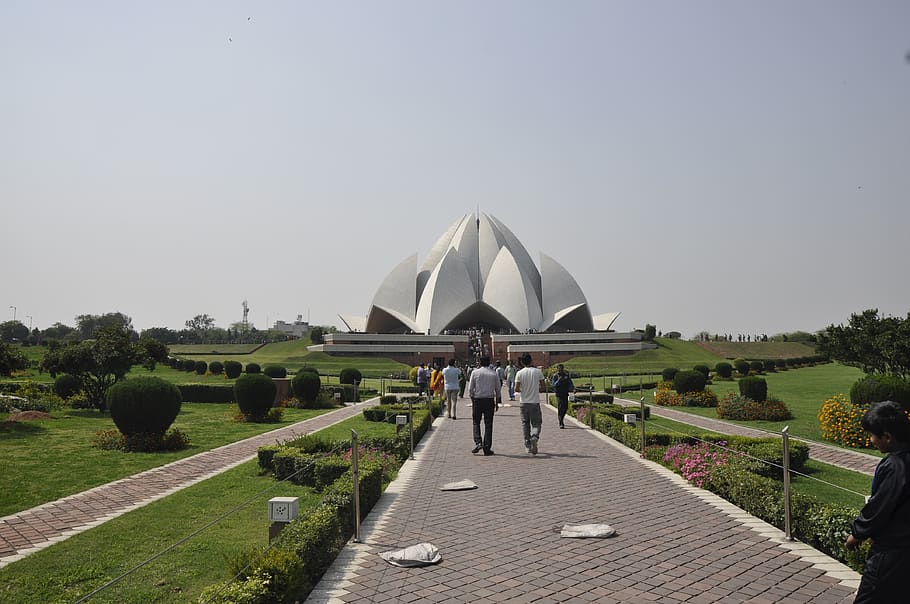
x=31, y=530
x=501, y=543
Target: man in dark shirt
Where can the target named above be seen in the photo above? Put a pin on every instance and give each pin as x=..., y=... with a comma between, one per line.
x=485, y=391
x=885, y=519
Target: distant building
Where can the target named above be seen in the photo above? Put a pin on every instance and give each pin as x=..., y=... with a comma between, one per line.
x=297, y=329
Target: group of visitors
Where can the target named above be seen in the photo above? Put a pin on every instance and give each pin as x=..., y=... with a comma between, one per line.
x=485, y=390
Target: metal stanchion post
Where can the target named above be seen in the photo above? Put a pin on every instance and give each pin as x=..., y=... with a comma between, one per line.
x=355, y=454
x=641, y=402
x=786, y=435
x=411, y=425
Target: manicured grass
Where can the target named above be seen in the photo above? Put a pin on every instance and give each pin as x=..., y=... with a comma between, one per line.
x=75, y=567
x=670, y=353
x=49, y=459
x=71, y=569
x=759, y=350
x=188, y=349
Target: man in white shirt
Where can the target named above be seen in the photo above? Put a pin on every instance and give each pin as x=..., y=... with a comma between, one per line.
x=528, y=384
x=450, y=384
x=485, y=391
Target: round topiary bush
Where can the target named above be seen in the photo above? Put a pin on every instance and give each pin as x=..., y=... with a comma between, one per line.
x=254, y=394
x=780, y=365
x=144, y=405
x=742, y=366
x=275, y=371
x=689, y=381
x=66, y=385
x=724, y=369
x=703, y=369
x=216, y=368
x=350, y=376
x=306, y=385
x=754, y=388
x=668, y=374
x=253, y=368
x=232, y=369
x=756, y=366
x=188, y=365
x=201, y=367
x=769, y=365
x=876, y=388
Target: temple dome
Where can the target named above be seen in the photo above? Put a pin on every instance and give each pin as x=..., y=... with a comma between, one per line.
x=478, y=273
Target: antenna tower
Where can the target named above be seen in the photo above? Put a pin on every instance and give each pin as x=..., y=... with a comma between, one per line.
x=246, y=312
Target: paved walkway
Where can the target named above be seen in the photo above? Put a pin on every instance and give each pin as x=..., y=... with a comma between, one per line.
x=31, y=530
x=845, y=458
x=501, y=542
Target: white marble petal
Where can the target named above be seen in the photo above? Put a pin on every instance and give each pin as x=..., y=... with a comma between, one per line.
x=448, y=292
x=561, y=295
x=511, y=293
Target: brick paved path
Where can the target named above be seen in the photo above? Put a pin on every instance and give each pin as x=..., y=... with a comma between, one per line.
x=31, y=530
x=851, y=460
x=501, y=542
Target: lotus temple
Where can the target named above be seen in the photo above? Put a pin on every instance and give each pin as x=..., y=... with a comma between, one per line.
x=479, y=292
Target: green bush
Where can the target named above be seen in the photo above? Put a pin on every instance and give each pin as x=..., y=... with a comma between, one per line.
x=188, y=365
x=755, y=388
x=741, y=366
x=216, y=368
x=265, y=454
x=876, y=388
x=327, y=470
x=724, y=369
x=232, y=369
x=780, y=364
x=306, y=385
x=737, y=406
x=756, y=366
x=668, y=374
x=275, y=371
x=66, y=385
x=207, y=393
x=201, y=367
x=143, y=405
x=689, y=381
x=254, y=394
x=388, y=399
x=769, y=365
x=351, y=376
x=253, y=368
x=703, y=369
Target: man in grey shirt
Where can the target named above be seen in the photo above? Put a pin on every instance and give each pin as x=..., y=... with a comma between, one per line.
x=485, y=391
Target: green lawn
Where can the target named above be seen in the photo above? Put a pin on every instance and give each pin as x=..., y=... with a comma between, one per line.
x=75, y=567
x=49, y=459
x=669, y=353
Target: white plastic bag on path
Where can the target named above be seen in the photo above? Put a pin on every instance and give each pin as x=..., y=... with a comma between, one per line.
x=461, y=485
x=422, y=554
x=587, y=531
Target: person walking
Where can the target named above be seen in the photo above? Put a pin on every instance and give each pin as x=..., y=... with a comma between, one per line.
x=423, y=379
x=450, y=381
x=528, y=384
x=562, y=386
x=485, y=389
x=436, y=383
x=462, y=380
x=511, y=370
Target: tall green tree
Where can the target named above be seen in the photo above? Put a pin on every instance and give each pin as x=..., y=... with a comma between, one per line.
x=88, y=325
x=11, y=359
x=98, y=364
x=875, y=344
x=13, y=331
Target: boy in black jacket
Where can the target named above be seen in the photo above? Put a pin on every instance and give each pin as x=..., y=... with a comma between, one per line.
x=886, y=516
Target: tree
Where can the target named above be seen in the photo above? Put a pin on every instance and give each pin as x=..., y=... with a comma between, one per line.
x=317, y=335
x=200, y=323
x=874, y=344
x=161, y=334
x=11, y=360
x=13, y=331
x=151, y=352
x=98, y=364
x=57, y=331
x=88, y=325
x=650, y=332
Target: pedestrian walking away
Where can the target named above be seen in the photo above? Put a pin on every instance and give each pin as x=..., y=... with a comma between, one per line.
x=511, y=370
x=485, y=391
x=528, y=384
x=450, y=381
x=423, y=380
x=562, y=386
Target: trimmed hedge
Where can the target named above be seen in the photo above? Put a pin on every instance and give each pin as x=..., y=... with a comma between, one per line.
x=755, y=388
x=254, y=394
x=876, y=388
x=216, y=368
x=275, y=371
x=207, y=393
x=253, y=368
x=689, y=381
x=668, y=374
x=143, y=405
x=350, y=375
x=201, y=367
x=306, y=386
x=232, y=369
x=724, y=369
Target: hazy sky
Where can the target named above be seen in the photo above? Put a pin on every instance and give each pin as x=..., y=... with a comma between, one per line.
x=721, y=166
